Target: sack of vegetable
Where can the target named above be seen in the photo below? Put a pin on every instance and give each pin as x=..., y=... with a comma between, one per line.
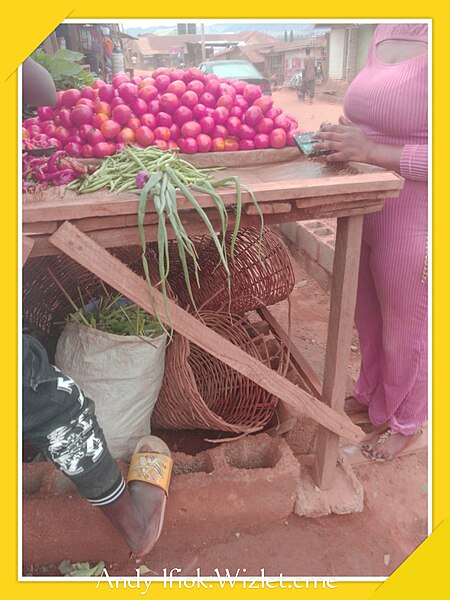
x=115, y=351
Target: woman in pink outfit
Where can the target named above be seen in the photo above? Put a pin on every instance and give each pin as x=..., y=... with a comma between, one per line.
x=386, y=124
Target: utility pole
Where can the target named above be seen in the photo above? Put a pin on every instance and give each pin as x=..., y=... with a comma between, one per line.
x=202, y=32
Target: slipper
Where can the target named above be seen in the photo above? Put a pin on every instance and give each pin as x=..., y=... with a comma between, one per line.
x=153, y=467
x=368, y=450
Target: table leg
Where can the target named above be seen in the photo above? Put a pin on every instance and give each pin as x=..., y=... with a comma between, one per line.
x=340, y=326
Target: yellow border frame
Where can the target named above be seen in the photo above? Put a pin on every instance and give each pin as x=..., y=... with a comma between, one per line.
x=24, y=27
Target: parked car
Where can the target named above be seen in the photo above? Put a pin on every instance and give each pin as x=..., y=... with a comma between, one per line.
x=237, y=69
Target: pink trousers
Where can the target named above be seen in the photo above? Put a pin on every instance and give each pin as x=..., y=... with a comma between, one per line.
x=392, y=310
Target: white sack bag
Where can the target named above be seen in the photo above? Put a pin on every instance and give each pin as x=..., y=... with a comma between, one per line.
x=121, y=374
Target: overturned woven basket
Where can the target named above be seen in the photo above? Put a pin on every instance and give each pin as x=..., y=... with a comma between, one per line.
x=201, y=392
x=261, y=274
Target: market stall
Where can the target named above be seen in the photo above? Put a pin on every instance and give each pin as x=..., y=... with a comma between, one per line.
x=287, y=188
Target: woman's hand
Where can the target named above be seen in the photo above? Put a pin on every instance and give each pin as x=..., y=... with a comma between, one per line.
x=347, y=142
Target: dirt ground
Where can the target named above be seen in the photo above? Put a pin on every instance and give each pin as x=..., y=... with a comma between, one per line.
x=372, y=543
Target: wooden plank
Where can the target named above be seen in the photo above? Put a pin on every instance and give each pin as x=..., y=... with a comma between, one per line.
x=47, y=227
x=269, y=208
x=27, y=246
x=299, y=361
x=340, y=329
x=96, y=259
x=105, y=204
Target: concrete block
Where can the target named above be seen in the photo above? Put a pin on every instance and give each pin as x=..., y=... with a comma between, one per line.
x=236, y=485
x=344, y=497
x=326, y=257
x=307, y=241
x=290, y=231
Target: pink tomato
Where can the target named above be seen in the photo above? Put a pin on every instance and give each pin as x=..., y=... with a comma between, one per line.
x=221, y=115
x=208, y=99
x=65, y=118
x=81, y=115
x=207, y=124
x=273, y=112
x=239, y=85
x=98, y=83
x=227, y=90
x=203, y=142
x=197, y=86
x=62, y=134
x=86, y=102
x=136, y=80
x=188, y=145
x=191, y=129
x=226, y=101
x=169, y=102
x=282, y=121
x=236, y=111
x=178, y=74
x=34, y=130
x=253, y=116
x=119, y=79
x=265, y=125
x=148, y=120
x=219, y=131
x=246, y=145
x=182, y=114
x=53, y=142
x=88, y=92
x=45, y=113
x=154, y=106
x=175, y=131
x=148, y=93
x=70, y=97
x=176, y=87
x=246, y=132
x=162, y=144
x=116, y=101
x=139, y=106
x=199, y=111
x=106, y=93
x=194, y=73
x=264, y=103
x=102, y=149
x=121, y=114
x=94, y=136
x=163, y=119
x=58, y=102
x=262, y=140
x=83, y=130
x=128, y=91
x=161, y=82
x=251, y=92
x=212, y=86
x=278, y=138
x=73, y=149
x=241, y=102
x=146, y=81
x=189, y=99
x=233, y=124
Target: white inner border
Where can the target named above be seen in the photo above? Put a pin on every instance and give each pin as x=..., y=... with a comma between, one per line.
x=147, y=23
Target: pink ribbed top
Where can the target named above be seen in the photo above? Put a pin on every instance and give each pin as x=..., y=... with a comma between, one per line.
x=390, y=101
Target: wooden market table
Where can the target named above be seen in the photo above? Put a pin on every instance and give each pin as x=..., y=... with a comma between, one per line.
x=288, y=188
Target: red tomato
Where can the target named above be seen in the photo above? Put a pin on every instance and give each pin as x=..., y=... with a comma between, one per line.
x=102, y=107
x=126, y=135
x=218, y=144
x=231, y=145
x=134, y=123
x=145, y=136
x=162, y=133
x=110, y=129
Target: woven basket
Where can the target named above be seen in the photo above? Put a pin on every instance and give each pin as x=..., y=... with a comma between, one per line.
x=45, y=305
x=201, y=392
x=256, y=280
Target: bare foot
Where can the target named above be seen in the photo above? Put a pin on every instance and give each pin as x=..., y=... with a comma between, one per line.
x=388, y=445
x=139, y=513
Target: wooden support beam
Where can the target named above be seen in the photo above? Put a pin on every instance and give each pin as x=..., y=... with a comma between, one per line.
x=27, y=246
x=340, y=329
x=299, y=361
x=96, y=259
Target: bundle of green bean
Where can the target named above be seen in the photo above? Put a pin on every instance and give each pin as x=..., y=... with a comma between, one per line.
x=114, y=314
x=160, y=174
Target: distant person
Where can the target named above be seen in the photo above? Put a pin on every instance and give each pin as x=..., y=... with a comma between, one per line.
x=308, y=76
